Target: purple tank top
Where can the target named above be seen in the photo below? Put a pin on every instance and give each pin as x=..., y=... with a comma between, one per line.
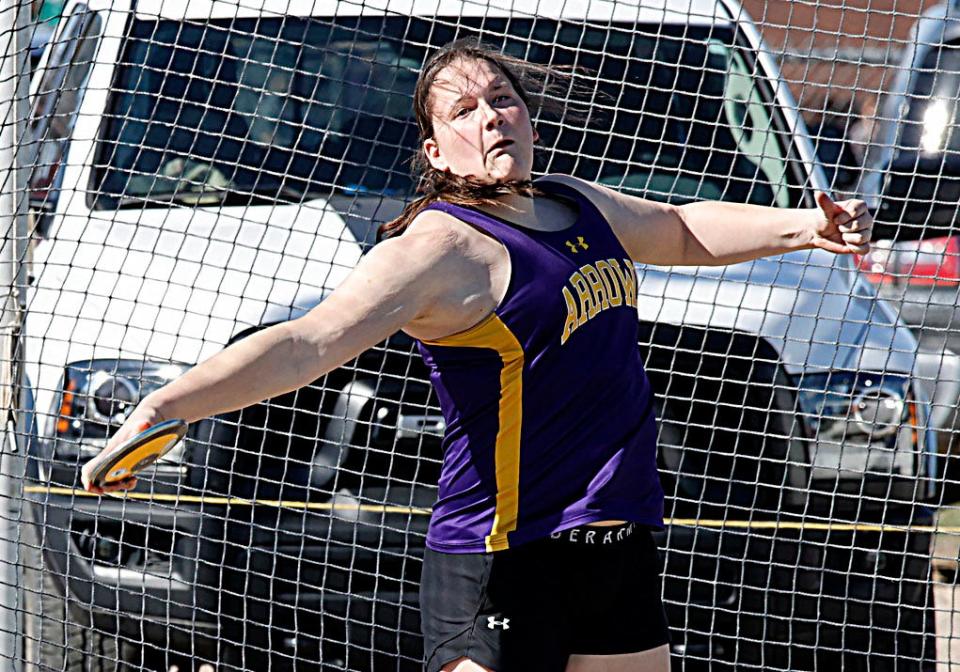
x=549, y=412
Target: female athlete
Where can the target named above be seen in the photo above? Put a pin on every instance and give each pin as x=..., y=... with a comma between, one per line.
x=522, y=296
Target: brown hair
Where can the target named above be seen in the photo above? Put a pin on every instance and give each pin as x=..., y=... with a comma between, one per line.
x=542, y=89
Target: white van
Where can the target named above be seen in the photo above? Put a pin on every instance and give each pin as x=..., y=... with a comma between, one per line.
x=208, y=168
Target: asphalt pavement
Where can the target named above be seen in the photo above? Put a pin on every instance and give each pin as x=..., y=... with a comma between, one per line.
x=947, y=600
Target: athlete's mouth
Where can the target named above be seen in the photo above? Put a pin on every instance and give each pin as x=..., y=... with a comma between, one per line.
x=499, y=145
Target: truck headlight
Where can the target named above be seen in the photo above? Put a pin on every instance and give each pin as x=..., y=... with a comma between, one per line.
x=860, y=424
x=97, y=395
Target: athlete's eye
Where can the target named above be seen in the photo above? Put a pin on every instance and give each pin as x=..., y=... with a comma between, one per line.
x=460, y=112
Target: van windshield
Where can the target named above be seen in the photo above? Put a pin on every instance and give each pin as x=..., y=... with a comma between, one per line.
x=261, y=110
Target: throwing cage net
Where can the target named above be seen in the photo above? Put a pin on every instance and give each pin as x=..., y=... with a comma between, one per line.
x=182, y=175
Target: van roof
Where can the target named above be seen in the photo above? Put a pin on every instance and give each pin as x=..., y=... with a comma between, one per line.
x=700, y=12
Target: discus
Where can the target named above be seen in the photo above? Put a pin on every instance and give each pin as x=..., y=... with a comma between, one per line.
x=135, y=454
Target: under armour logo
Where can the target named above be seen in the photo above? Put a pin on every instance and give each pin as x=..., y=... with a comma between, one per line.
x=580, y=242
x=493, y=623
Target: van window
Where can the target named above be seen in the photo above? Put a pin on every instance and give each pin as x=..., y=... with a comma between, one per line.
x=259, y=110
x=932, y=115
x=920, y=186
x=57, y=102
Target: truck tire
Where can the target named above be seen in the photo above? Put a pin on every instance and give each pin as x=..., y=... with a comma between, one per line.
x=53, y=639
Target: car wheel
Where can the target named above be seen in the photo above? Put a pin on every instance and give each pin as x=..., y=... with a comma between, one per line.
x=53, y=639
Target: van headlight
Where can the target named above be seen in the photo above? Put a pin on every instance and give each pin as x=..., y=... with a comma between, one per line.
x=96, y=396
x=860, y=424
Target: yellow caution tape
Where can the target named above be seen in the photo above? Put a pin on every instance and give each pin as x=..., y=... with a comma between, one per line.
x=237, y=501
x=806, y=525
x=423, y=511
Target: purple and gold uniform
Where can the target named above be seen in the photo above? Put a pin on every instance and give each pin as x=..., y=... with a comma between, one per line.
x=549, y=412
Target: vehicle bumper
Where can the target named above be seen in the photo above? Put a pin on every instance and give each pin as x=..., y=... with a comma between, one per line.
x=295, y=580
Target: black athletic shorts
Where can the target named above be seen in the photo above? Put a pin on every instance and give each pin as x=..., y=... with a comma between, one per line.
x=589, y=590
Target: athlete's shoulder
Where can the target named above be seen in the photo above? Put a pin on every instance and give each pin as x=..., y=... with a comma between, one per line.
x=558, y=179
x=434, y=244
x=607, y=201
x=561, y=178
x=604, y=198
x=432, y=231
x=618, y=208
x=585, y=187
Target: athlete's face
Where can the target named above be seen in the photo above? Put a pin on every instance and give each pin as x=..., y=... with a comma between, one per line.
x=481, y=127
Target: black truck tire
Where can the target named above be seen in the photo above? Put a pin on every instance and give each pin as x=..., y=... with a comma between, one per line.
x=53, y=639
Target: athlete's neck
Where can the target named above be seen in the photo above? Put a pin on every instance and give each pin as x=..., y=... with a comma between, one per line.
x=519, y=205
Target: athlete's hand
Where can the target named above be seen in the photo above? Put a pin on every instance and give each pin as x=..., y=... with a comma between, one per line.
x=841, y=227
x=143, y=417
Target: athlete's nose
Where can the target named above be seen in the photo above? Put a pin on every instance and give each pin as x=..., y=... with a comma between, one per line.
x=492, y=117
x=495, y=122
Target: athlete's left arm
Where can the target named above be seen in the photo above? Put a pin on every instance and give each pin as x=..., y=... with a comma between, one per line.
x=714, y=233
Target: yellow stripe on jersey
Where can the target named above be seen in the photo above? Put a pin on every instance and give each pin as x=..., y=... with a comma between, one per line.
x=493, y=334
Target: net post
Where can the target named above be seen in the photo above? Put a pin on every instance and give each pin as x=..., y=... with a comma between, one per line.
x=15, y=17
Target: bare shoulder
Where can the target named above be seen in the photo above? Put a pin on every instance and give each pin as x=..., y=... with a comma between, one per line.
x=614, y=205
x=600, y=194
x=583, y=186
x=443, y=257
x=432, y=238
x=454, y=266
x=445, y=230
x=609, y=201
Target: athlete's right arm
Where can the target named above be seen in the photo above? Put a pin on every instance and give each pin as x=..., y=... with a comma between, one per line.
x=397, y=281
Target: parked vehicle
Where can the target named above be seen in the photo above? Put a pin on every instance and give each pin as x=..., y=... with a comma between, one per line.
x=221, y=173
x=912, y=173
x=911, y=181
x=922, y=279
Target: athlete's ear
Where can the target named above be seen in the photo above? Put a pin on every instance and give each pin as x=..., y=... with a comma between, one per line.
x=432, y=151
x=536, y=136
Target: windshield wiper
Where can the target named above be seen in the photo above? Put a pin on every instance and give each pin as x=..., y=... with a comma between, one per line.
x=204, y=198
